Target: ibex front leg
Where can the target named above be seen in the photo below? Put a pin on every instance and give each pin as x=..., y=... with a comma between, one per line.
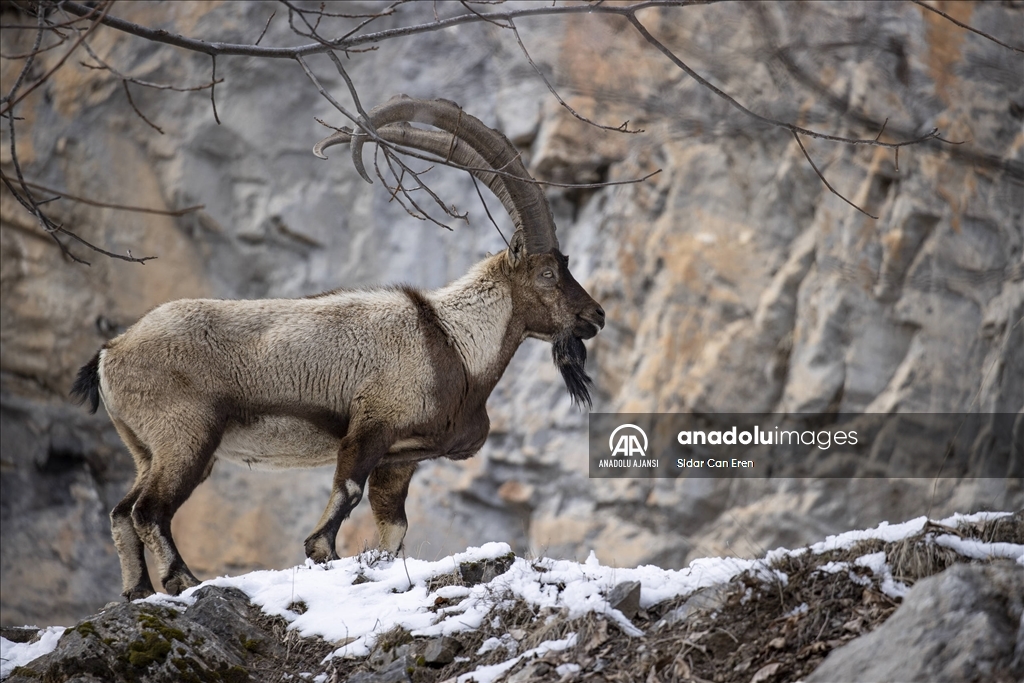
x=362, y=448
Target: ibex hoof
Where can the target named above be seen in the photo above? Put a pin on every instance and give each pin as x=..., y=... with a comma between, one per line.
x=319, y=550
x=179, y=582
x=137, y=593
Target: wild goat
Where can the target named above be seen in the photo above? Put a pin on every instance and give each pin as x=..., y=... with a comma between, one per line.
x=373, y=381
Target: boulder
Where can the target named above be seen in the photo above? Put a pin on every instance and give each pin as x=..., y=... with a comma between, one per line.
x=961, y=626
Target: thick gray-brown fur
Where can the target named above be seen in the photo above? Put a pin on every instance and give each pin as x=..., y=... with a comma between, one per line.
x=371, y=381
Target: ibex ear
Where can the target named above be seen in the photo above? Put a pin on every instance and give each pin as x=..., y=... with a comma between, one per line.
x=517, y=248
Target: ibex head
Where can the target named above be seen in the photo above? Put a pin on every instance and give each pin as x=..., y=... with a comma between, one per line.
x=551, y=304
x=555, y=308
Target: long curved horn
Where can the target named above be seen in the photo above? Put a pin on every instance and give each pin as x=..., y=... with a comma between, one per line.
x=526, y=196
x=436, y=142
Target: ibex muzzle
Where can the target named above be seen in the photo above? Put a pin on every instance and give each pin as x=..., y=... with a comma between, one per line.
x=371, y=381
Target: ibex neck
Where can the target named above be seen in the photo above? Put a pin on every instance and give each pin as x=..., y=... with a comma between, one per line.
x=477, y=312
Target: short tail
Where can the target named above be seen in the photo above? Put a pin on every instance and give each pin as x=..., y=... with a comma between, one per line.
x=87, y=384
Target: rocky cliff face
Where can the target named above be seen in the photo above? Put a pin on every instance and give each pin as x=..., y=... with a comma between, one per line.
x=733, y=280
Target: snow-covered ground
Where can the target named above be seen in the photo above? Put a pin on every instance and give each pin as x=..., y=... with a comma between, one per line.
x=391, y=593
x=18, y=654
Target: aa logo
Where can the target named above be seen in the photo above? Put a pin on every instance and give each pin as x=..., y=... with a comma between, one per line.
x=629, y=442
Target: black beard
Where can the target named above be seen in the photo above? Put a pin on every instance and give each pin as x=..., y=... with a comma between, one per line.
x=570, y=355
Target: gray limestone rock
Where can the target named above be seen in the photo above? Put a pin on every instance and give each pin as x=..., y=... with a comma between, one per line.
x=965, y=625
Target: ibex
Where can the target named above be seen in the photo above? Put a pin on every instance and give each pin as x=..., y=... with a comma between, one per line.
x=372, y=380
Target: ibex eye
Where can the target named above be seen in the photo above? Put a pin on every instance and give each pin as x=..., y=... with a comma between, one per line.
x=550, y=274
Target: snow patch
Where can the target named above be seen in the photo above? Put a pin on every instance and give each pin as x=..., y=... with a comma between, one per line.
x=13, y=655
x=979, y=550
x=878, y=566
x=487, y=674
x=800, y=609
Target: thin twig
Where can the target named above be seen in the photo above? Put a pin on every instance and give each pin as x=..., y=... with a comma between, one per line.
x=1012, y=169
x=336, y=15
x=453, y=212
x=26, y=55
x=28, y=63
x=119, y=207
x=213, y=85
x=133, y=259
x=822, y=177
x=351, y=88
x=323, y=91
x=965, y=26
x=765, y=119
x=476, y=186
x=29, y=204
x=25, y=196
x=882, y=129
x=334, y=128
x=10, y=103
x=51, y=27
x=269, y=19
x=385, y=12
x=422, y=215
x=293, y=10
x=145, y=84
x=104, y=66
x=482, y=17
x=142, y=116
x=621, y=128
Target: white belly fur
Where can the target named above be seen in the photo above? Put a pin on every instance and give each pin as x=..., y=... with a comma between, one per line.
x=278, y=443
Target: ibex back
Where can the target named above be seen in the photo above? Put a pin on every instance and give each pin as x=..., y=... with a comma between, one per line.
x=373, y=381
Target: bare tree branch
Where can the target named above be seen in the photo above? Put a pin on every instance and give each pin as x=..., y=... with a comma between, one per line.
x=323, y=91
x=348, y=41
x=822, y=177
x=26, y=55
x=52, y=229
x=1013, y=169
x=766, y=119
x=10, y=103
x=102, y=65
x=354, y=39
x=110, y=205
x=965, y=26
x=417, y=211
x=51, y=27
x=621, y=128
x=320, y=13
x=142, y=116
x=24, y=196
x=628, y=11
x=28, y=63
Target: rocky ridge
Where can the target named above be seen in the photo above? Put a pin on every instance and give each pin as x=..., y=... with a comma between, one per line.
x=838, y=611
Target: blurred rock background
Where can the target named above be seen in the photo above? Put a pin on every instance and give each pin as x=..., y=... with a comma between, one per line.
x=733, y=280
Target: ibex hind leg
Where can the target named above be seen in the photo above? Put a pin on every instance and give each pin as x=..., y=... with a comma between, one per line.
x=389, y=487
x=175, y=473
x=130, y=550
